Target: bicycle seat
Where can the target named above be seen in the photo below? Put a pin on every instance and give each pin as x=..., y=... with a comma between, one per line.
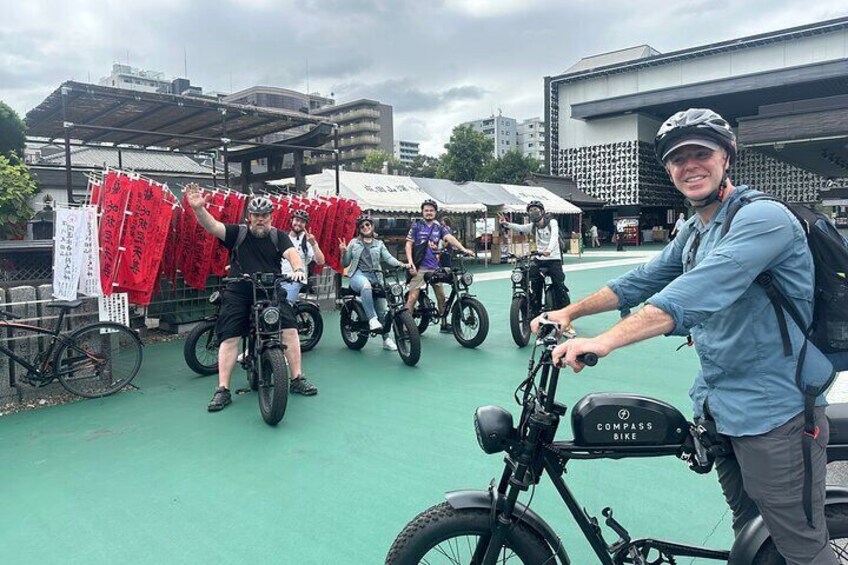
x=69, y=304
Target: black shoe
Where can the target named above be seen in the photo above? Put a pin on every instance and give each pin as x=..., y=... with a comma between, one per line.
x=301, y=386
x=220, y=399
x=446, y=328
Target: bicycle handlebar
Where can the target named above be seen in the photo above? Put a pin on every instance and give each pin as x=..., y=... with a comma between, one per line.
x=257, y=277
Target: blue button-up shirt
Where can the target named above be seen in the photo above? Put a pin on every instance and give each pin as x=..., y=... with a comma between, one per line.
x=705, y=282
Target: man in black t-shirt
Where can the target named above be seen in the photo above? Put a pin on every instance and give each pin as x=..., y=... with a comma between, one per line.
x=256, y=254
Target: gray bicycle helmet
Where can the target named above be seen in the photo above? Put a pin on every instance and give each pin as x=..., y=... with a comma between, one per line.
x=260, y=205
x=692, y=125
x=535, y=204
x=302, y=214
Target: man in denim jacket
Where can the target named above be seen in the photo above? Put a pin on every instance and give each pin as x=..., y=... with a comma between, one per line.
x=702, y=285
x=363, y=259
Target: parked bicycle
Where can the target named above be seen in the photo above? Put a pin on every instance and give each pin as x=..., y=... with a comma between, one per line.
x=354, y=322
x=520, y=311
x=486, y=527
x=200, y=349
x=95, y=360
x=468, y=317
x=264, y=359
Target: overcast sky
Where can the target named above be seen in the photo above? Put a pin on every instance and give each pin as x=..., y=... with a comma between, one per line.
x=438, y=62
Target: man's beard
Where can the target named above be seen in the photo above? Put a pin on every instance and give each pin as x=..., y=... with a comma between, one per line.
x=260, y=231
x=297, y=229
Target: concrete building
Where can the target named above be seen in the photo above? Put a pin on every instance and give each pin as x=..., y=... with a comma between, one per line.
x=282, y=98
x=786, y=93
x=532, y=138
x=132, y=78
x=501, y=130
x=406, y=151
x=364, y=126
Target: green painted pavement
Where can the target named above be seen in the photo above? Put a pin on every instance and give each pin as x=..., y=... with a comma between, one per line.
x=151, y=477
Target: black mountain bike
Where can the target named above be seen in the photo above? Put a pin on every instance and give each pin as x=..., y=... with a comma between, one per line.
x=200, y=349
x=264, y=358
x=95, y=360
x=354, y=322
x=486, y=527
x=520, y=312
x=468, y=317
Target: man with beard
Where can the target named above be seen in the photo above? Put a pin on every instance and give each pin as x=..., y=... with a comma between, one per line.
x=427, y=235
x=307, y=248
x=257, y=253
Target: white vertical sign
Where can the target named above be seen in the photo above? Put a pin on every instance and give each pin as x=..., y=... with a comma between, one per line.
x=67, y=252
x=89, y=283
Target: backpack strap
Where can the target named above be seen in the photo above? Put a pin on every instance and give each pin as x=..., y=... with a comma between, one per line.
x=810, y=393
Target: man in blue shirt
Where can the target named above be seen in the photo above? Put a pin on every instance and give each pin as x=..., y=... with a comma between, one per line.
x=702, y=286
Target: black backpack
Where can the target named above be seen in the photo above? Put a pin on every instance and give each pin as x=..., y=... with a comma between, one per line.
x=829, y=328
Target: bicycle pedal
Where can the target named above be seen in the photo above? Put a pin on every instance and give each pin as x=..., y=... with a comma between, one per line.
x=243, y=390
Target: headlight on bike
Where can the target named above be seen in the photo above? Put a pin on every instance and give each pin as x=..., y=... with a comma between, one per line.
x=467, y=279
x=271, y=316
x=516, y=276
x=397, y=290
x=494, y=428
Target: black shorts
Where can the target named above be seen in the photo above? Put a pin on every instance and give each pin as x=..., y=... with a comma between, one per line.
x=234, y=316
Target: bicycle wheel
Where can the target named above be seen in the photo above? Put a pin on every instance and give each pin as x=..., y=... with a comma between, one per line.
x=836, y=516
x=98, y=360
x=470, y=322
x=201, y=349
x=354, y=325
x=519, y=321
x=443, y=534
x=407, y=339
x=421, y=313
x=273, y=386
x=310, y=325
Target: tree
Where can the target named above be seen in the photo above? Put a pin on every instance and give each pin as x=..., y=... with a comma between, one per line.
x=512, y=168
x=12, y=132
x=423, y=166
x=468, y=151
x=16, y=188
x=374, y=161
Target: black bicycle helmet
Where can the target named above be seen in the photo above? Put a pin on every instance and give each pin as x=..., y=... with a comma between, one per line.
x=430, y=202
x=694, y=123
x=535, y=204
x=260, y=205
x=364, y=217
x=302, y=214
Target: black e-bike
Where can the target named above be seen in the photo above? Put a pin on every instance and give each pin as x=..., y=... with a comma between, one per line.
x=487, y=527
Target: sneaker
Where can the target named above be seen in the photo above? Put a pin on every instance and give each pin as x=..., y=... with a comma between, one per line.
x=374, y=324
x=220, y=399
x=301, y=386
x=240, y=358
x=389, y=344
x=446, y=329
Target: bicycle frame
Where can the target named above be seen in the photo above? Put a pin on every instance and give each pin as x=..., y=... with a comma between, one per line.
x=459, y=289
x=531, y=452
x=34, y=372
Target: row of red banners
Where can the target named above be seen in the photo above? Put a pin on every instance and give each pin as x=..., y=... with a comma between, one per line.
x=144, y=233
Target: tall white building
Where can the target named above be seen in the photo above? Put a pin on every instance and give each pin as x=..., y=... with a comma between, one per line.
x=531, y=138
x=132, y=78
x=500, y=129
x=406, y=151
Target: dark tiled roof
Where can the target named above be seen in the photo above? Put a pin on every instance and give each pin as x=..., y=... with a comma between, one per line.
x=566, y=189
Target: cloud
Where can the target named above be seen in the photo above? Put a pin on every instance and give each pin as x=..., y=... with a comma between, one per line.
x=437, y=63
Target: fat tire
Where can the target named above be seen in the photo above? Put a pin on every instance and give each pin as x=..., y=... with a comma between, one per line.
x=517, y=311
x=482, y=321
x=442, y=522
x=836, y=516
x=304, y=311
x=349, y=308
x=409, y=352
x=200, y=335
x=423, y=319
x=75, y=337
x=273, y=399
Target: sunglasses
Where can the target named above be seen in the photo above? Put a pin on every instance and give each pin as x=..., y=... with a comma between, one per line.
x=365, y=225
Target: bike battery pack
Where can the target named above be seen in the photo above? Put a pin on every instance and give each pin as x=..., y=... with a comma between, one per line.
x=611, y=419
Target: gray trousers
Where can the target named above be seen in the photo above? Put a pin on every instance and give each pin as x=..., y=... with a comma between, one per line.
x=765, y=477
